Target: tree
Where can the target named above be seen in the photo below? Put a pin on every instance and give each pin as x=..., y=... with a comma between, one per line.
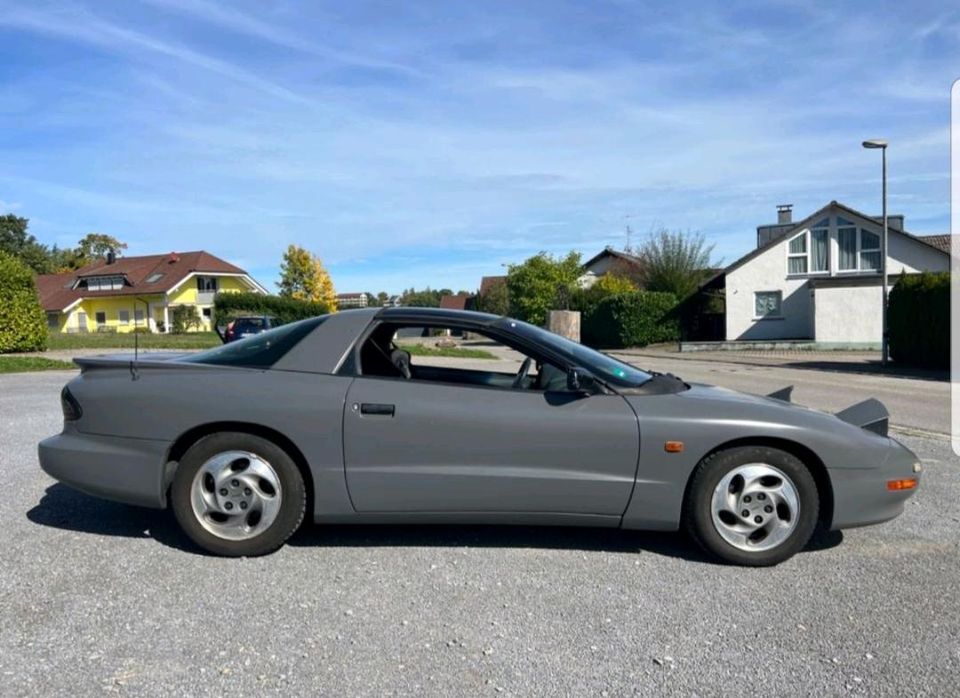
x=95, y=245
x=540, y=284
x=382, y=297
x=495, y=300
x=427, y=298
x=675, y=262
x=17, y=242
x=23, y=325
x=303, y=277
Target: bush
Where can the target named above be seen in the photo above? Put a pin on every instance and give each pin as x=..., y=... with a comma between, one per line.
x=632, y=320
x=919, y=320
x=185, y=318
x=587, y=299
x=23, y=325
x=228, y=306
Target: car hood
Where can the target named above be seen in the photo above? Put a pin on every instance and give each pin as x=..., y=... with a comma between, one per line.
x=713, y=403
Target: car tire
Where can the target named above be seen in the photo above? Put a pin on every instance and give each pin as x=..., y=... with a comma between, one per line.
x=238, y=495
x=752, y=505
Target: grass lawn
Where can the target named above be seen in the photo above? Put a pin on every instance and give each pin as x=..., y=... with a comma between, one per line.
x=115, y=340
x=21, y=364
x=453, y=352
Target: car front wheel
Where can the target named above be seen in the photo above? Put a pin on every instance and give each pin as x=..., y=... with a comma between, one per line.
x=752, y=505
x=236, y=494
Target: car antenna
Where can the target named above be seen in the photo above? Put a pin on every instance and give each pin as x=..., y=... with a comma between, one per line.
x=134, y=365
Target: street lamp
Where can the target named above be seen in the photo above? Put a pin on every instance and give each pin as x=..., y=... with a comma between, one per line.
x=882, y=145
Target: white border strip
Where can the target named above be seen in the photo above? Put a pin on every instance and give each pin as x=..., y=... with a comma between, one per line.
x=955, y=267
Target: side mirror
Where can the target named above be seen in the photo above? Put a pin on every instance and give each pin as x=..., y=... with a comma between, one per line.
x=579, y=381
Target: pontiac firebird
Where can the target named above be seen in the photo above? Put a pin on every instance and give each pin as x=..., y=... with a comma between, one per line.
x=330, y=414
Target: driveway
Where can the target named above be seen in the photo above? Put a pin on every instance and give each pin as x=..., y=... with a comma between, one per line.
x=96, y=596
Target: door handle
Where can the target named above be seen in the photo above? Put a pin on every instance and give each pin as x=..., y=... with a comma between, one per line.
x=375, y=408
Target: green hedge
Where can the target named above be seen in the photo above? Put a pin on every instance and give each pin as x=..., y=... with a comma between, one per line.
x=230, y=305
x=631, y=320
x=23, y=324
x=919, y=320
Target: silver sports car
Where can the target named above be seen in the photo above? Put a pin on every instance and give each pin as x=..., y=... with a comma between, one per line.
x=332, y=416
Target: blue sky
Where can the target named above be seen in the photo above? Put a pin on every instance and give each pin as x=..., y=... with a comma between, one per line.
x=413, y=144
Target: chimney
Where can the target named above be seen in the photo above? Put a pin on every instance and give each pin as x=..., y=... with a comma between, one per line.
x=784, y=214
x=111, y=257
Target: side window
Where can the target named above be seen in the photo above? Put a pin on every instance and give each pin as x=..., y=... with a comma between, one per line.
x=452, y=355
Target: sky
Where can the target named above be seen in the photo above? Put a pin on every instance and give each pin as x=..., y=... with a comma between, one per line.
x=431, y=143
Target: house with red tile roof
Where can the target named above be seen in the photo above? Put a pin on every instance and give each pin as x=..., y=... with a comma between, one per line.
x=118, y=294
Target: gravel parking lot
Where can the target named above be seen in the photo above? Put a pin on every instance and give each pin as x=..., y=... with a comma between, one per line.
x=96, y=596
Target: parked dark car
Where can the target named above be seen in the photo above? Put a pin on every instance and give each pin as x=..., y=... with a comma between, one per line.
x=248, y=326
x=329, y=419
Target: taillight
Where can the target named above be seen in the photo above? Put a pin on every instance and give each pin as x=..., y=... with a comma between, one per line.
x=70, y=406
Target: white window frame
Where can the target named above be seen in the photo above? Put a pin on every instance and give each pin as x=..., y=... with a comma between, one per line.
x=861, y=250
x=810, y=270
x=807, y=235
x=859, y=268
x=805, y=255
x=779, y=315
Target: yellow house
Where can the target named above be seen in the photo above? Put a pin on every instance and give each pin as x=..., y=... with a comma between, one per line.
x=120, y=294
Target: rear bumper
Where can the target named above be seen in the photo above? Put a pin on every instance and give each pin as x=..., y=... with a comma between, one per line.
x=861, y=497
x=112, y=467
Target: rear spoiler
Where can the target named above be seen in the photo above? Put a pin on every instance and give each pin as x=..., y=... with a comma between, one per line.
x=869, y=414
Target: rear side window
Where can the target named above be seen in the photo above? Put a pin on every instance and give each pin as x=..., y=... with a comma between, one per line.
x=261, y=350
x=254, y=324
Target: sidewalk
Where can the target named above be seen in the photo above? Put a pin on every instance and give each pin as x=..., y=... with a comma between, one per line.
x=864, y=362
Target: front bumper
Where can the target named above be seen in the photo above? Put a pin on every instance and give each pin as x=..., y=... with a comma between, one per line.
x=860, y=495
x=122, y=469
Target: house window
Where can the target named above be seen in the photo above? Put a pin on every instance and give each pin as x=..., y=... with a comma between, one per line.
x=767, y=303
x=208, y=313
x=207, y=283
x=137, y=316
x=869, y=251
x=797, y=255
x=124, y=317
x=101, y=318
x=819, y=250
x=154, y=278
x=810, y=250
x=104, y=283
x=859, y=248
x=53, y=320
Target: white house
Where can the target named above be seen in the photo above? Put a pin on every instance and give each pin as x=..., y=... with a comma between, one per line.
x=605, y=261
x=819, y=279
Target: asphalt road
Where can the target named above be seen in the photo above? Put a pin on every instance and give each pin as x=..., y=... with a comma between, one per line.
x=100, y=597
x=914, y=403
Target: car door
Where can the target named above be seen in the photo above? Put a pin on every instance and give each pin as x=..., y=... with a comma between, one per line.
x=412, y=445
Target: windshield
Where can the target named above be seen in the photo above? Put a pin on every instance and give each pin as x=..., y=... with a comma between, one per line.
x=260, y=350
x=604, y=367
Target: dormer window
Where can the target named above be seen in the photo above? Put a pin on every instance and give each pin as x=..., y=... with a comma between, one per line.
x=103, y=283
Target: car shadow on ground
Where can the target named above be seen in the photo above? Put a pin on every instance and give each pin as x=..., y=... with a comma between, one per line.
x=67, y=509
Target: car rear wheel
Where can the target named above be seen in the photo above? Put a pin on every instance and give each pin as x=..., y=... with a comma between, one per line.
x=752, y=505
x=236, y=494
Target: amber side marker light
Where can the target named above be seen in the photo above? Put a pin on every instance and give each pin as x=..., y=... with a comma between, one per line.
x=673, y=447
x=905, y=484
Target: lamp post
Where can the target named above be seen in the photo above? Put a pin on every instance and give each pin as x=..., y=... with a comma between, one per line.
x=882, y=145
